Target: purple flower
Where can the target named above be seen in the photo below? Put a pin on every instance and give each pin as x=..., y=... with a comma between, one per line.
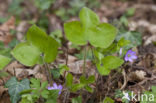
x=56, y=87
x=130, y=56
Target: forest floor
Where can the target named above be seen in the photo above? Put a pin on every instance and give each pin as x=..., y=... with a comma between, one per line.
x=140, y=75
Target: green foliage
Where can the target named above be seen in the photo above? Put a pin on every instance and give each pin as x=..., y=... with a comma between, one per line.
x=84, y=83
x=27, y=98
x=27, y=54
x=108, y=63
x=69, y=80
x=77, y=100
x=16, y=87
x=4, y=61
x=108, y=100
x=38, y=90
x=74, y=7
x=43, y=4
x=132, y=36
x=89, y=55
x=63, y=68
x=52, y=97
x=89, y=29
x=130, y=12
x=57, y=35
x=88, y=18
x=56, y=73
x=38, y=42
x=45, y=43
x=15, y=7
x=149, y=95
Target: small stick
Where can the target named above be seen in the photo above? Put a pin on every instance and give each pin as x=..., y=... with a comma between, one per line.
x=125, y=79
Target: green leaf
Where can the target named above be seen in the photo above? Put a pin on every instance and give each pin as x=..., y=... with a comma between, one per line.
x=53, y=95
x=27, y=98
x=90, y=80
x=26, y=54
x=76, y=87
x=51, y=50
x=90, y=30
x=45, y=43
x=77, y=100
x=109, y=63
x=63, y=68
x=56, y=73
x=44, y=85
x=102, y=36
x=122, y=42
x=69, y=80
x=154, y=89
x=4, y=61
x=88, y=18
x=35, y=83
x=112, y=62
x=108, y=100
x=45, y=94
x=37, y=37
x=16, y=87
x=75, y=33
x=89, y=89
x=132, y=36
x=83, y=79
x=102, y=70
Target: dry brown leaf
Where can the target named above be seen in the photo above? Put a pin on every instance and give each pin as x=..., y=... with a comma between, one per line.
x=71, y=59
x=77, y=68
x=12, y=66
x=2, y=90
x=5, y=28
x=41, y=76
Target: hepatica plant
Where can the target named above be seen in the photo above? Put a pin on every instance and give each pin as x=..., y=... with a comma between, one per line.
x=89, y=30
x=38, y=48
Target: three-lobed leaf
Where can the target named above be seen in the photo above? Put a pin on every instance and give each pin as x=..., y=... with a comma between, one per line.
x=45, y=43
x=89, y=29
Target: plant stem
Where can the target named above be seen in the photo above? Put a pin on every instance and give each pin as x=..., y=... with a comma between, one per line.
x=49, y=72
x=84, y=63
x=64, y=74
x=67, y=56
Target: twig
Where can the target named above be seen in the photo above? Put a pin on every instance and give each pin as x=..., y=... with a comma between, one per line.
x=66, y=96
x=125, y=79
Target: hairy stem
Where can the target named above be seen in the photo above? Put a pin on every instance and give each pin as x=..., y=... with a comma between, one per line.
x=49, y=73
x=67, y=56
x=84, y=63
